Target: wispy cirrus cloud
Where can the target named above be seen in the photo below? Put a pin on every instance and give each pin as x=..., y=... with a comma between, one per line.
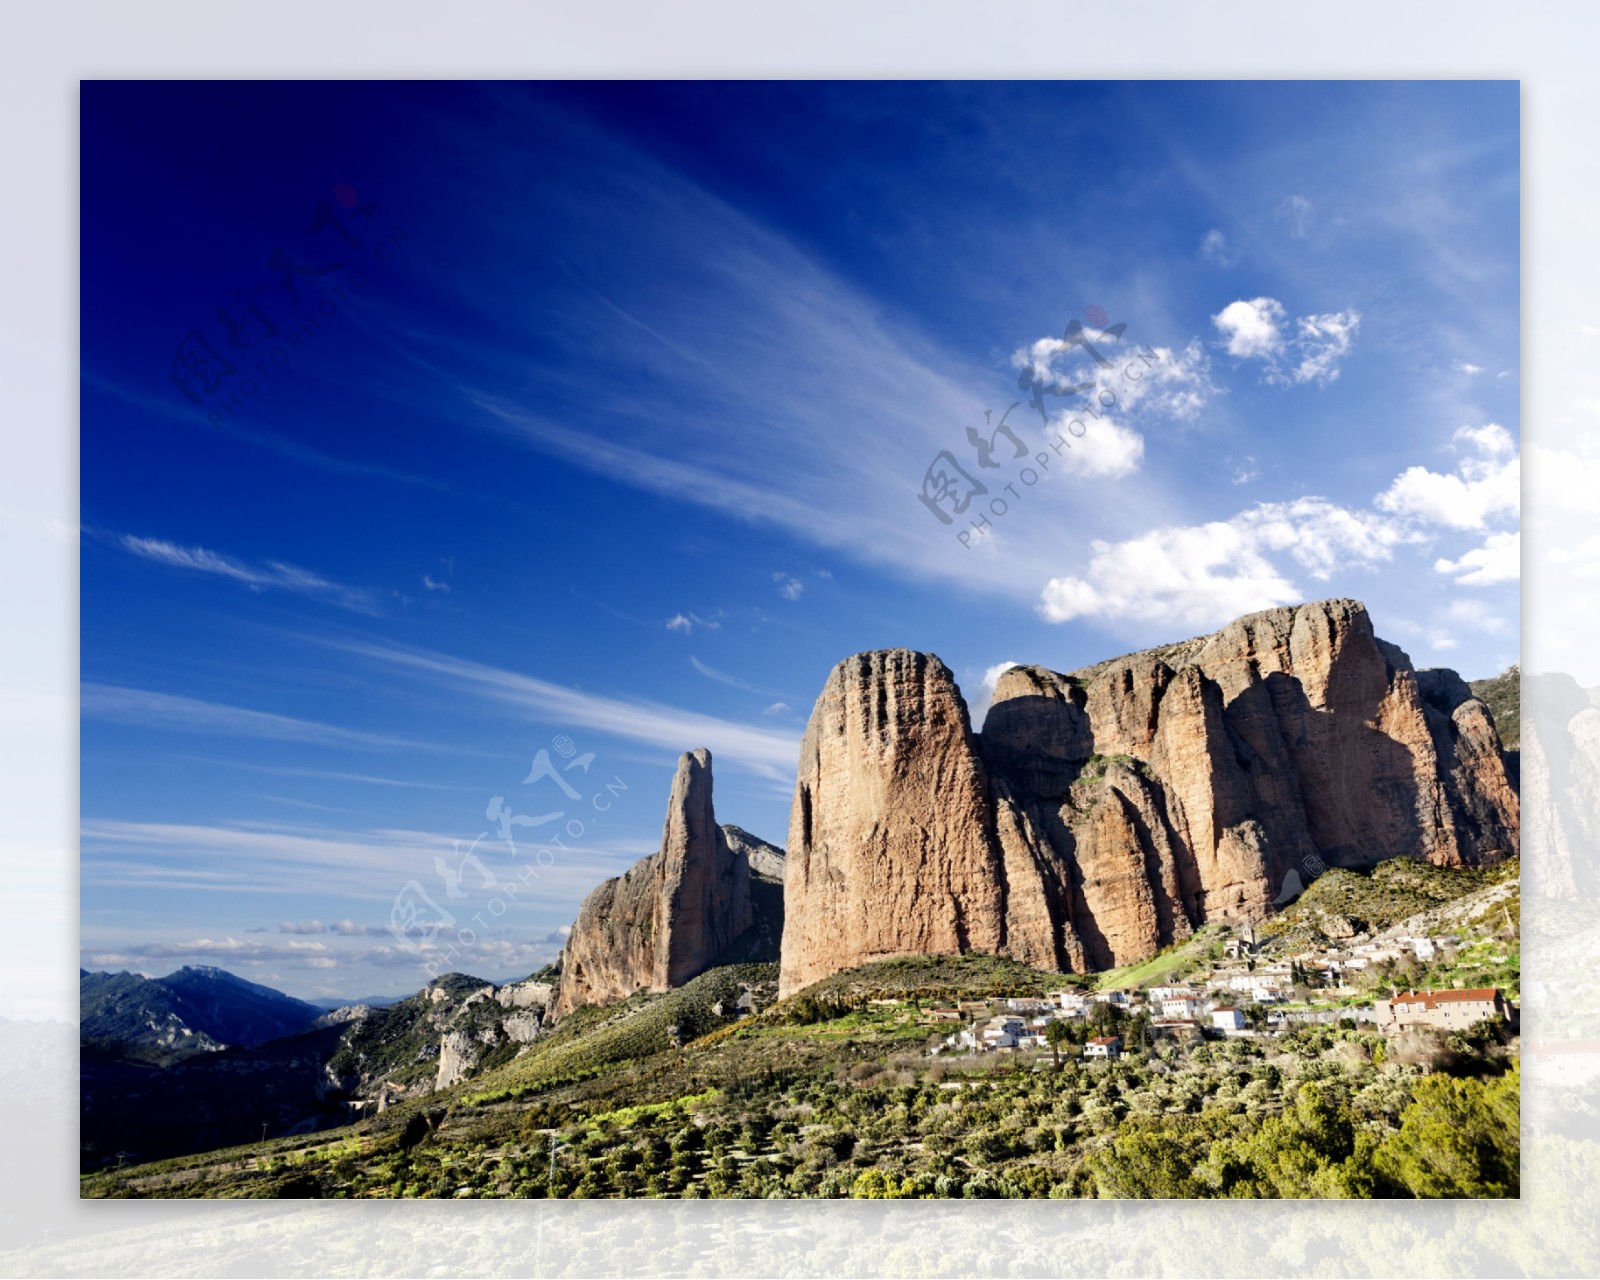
x=769, y=753
x=151, y=710
x=722, y=677
x=272, y=575
x=322, y=863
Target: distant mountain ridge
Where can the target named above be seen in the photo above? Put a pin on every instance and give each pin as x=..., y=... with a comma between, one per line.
x=351, y=1062
x=197, y=1009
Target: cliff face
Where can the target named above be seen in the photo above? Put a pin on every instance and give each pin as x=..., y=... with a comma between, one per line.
x=1104, y=813
x=676, y=913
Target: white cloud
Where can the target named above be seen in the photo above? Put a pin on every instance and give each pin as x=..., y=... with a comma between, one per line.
x=1491, y=439
x=1205, y=574
x=991, y=675
x=1252, y=328
x=1246, y=472
x=1321, y=342
x=776, y=709
x=1177, y=386
x=428, y=584
x=1499, y=559
x=789, y=588
x=1215, y=249
x=979, y=701
x=1482, y=488
x=1149, y=379
x=1104, y=451
x=1466, y=367
x=1307, y=351
x=687, y=622
x=273, y=575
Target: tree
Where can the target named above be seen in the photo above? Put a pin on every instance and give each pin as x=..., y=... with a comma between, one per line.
x=1057, y=1032
x=1103, y=1016
x=1457, y=1139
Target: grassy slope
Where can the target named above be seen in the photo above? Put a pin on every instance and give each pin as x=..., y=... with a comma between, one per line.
x=1172, y=964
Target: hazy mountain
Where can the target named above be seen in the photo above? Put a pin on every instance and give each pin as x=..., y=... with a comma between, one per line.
x=195, y=1010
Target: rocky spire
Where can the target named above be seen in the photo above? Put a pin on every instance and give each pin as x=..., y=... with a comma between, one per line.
x=672, y=915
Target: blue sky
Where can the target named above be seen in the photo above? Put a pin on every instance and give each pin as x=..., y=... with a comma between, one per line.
x=600, y=413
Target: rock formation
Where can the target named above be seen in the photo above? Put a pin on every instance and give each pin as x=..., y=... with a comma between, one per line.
x=1561, y=766
x=1105, y=813
x=709, y=896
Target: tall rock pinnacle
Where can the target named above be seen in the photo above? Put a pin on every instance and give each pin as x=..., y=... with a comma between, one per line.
x=673, y=914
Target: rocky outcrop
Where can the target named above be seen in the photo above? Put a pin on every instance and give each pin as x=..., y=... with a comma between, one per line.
x=707, y=894
x=1104, y=813
x=527, y=994
x=1561, y=768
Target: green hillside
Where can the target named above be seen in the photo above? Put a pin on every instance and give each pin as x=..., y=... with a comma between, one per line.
x=851, y=1105
x=1341, y=902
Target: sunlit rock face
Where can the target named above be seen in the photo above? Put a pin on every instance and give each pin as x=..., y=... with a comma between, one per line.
x=1106, y=812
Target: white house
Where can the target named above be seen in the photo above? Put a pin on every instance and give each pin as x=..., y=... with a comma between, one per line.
x=1103, y=1047
x=1187, y=1006
x=1001, y=1033
x=1025, y=1004
x=1261, y=980
x=1229, y=1019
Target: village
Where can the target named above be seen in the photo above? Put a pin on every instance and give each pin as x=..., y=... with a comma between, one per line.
x=1241, y=994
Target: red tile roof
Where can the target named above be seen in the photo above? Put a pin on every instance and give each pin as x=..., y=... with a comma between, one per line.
x=1428, y=999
